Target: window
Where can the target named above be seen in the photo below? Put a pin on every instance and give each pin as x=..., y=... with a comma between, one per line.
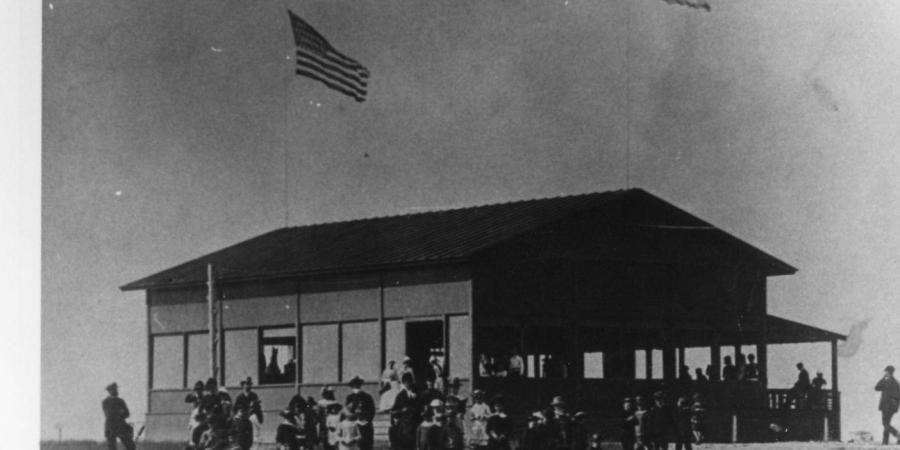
x=197, y=357
x=593, y=365
x=241, y=358
x=168, y=362
x=278, y=363
x=320, y=353
x=657, y=356
x=460, y=347
x=640, y=364
x=360, y=351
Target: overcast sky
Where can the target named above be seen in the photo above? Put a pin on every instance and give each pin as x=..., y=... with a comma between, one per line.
x=165, y=131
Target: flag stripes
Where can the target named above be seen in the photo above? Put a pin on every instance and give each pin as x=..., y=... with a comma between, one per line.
x=317, y=59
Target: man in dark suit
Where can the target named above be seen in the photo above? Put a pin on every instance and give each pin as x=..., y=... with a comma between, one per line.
x=365, y=405
x=115, y=427
x=248, y=400
x=405, y=416
x=889, y=403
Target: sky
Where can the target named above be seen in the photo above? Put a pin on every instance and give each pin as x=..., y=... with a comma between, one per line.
x=170, y=132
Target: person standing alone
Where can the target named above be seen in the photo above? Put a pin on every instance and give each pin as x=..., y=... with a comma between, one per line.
x=116, y=411
x=889, y=403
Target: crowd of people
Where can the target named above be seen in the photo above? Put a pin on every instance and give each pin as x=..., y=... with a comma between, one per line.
x=431, y=414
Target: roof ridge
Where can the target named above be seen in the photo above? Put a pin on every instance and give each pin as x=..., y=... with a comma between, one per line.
x=455, y=209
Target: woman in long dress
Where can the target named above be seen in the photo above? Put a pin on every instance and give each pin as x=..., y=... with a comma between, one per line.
x=386, y=401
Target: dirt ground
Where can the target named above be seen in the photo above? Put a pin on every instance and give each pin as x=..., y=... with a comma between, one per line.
x=90, y=445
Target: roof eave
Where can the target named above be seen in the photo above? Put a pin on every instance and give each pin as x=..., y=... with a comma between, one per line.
x=143, y=284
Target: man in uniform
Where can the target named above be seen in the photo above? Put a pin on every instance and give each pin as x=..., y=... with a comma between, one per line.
x=115, y=427
x=248, y=400
x=889, y=403
x=365, y=406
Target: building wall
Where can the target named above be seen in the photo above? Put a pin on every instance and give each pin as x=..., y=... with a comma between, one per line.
x=336, y=314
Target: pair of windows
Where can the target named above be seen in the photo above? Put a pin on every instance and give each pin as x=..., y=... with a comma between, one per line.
x=267, y=355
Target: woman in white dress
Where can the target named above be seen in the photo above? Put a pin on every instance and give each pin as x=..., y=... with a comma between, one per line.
x=479, y=414
x=386, y=402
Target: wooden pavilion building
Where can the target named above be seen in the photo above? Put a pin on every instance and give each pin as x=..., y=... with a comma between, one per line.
x=601, y=294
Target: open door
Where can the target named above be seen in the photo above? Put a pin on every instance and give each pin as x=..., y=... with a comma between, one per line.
x=424, y=338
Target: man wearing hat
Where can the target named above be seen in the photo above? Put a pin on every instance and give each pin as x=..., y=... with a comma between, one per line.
x=248, y=400
x=662, y=421
x=560, y=425
x=889, y=403
x=405, y=415
x=366, y=412
x=115, y=427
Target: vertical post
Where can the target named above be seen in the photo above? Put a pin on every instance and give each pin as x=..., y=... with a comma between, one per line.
x=474, y=368
x=220, y=338
x=716, y=357
x=835, y=393
x=669, y=370
x=382, y=346
x=149, y=350
x=734, y=428
x=680, y=360
x=298, y=342
x=445, y=342
x=210, y=301
x=648, y=363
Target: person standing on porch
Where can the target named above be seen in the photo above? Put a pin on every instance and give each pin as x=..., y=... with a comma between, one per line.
x=889, y=403
x=516, y=364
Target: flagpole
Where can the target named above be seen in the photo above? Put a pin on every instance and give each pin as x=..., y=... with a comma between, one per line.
x=287, y=82
x=210, y=303
x=627, y=94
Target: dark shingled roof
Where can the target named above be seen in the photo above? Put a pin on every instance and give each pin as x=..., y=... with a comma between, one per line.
x=431, y=237
x=784, y=331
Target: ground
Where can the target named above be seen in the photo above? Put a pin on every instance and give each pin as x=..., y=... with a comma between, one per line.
x=89, y=445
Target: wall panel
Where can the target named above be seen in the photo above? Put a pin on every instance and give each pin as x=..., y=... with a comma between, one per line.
x=178, y=318
x=259, y=311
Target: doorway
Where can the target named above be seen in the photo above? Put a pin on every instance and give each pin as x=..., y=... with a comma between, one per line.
x=424, y=339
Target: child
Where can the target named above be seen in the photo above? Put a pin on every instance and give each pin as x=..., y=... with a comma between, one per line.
x=642, y=432
x=286, y=433
x=498, y=426
x=348, y=434
x=697, y=425
x=452, y=435
x=332, y=423
x=628, y=424
x=479, y=414
x=683, y=432
x=426, y=431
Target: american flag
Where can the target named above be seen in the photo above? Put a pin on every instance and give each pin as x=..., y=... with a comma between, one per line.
x=317, y=59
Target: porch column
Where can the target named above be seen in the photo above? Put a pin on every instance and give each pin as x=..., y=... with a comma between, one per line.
x=716, y=357
x=669, y=371
x=835, y=413
x=648, y=366
x=762, y=355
